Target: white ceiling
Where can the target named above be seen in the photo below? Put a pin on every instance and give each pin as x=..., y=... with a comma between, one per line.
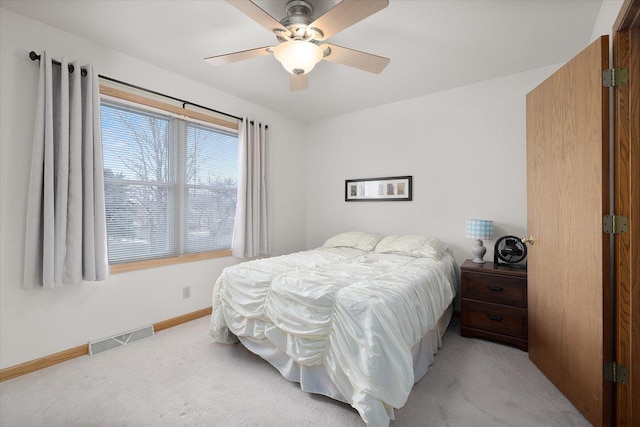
x=433, y=45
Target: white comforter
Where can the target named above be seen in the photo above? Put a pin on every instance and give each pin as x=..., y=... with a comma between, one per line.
x=358, y=313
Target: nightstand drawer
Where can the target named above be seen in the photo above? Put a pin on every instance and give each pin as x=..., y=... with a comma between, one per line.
x=497, y=289
x=495, y=318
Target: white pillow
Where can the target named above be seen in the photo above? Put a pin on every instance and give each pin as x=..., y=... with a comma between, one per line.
x=353, y=239
x=417, y=246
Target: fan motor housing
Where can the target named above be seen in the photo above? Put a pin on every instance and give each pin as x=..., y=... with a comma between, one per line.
x=299, y=16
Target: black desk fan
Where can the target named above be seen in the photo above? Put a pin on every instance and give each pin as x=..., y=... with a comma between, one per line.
x=509, y=250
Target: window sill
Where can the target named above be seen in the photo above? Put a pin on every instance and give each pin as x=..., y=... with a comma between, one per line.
x=152, y=263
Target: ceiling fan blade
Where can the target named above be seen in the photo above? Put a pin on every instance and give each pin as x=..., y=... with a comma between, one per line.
x=238, y=56
x=256, y=13
x=345, y=14
x=356, y=59
x=298, y=82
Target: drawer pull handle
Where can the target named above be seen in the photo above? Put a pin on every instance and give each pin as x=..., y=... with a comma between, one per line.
x=495, y=288
x=492, y=317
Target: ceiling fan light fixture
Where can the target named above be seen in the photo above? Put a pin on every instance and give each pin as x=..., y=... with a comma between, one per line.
x=297, y=56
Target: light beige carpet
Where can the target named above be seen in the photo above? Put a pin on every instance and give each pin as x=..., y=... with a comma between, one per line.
x=180, y=377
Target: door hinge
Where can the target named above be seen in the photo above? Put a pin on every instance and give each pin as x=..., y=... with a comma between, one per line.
x=614, y=224
x=616, y=373
x=614, y=77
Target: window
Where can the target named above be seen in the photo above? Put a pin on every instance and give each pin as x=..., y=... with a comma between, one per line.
x=170, y=183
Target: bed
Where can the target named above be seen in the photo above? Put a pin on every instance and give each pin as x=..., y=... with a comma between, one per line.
x=358, y=319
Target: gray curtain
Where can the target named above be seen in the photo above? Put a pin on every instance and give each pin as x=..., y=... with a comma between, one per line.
x=66, y=224
x=250, y=230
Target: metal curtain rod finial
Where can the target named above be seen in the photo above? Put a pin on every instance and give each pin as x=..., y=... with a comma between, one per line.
x=35, y=56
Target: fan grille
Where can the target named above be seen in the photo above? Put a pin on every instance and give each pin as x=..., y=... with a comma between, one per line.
x=510, y=249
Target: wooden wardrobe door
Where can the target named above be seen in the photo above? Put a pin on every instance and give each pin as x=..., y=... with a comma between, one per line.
x=567, y=197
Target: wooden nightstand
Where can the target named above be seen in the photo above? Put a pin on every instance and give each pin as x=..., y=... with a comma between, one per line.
x=494, y=303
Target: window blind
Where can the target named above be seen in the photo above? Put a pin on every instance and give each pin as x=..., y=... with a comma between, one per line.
x=170, y=184
x=211, y=185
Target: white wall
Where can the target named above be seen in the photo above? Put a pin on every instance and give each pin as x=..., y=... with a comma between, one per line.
x=41, y=322
x=606, y=18
x=466, y=150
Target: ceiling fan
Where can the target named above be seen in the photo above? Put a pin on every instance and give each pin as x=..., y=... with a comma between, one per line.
x=300, y=36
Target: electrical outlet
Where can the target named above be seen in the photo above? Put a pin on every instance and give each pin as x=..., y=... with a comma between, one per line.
x=186, y=292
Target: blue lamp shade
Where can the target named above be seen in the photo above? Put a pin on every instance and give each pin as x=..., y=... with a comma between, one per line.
x=479, y=229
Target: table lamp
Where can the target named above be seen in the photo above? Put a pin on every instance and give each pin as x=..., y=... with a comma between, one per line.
x=479, y=229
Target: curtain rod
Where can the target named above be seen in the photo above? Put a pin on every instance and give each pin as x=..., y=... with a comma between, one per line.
x=35, y=56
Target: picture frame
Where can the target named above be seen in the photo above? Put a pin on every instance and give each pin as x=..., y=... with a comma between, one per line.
x=391, y=189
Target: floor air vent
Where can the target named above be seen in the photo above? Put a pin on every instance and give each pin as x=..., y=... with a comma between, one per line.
x=99, y=346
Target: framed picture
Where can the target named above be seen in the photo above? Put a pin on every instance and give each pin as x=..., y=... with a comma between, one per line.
x=394, y=188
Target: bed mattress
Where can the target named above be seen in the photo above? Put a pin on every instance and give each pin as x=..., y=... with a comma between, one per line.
x=356, y=325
